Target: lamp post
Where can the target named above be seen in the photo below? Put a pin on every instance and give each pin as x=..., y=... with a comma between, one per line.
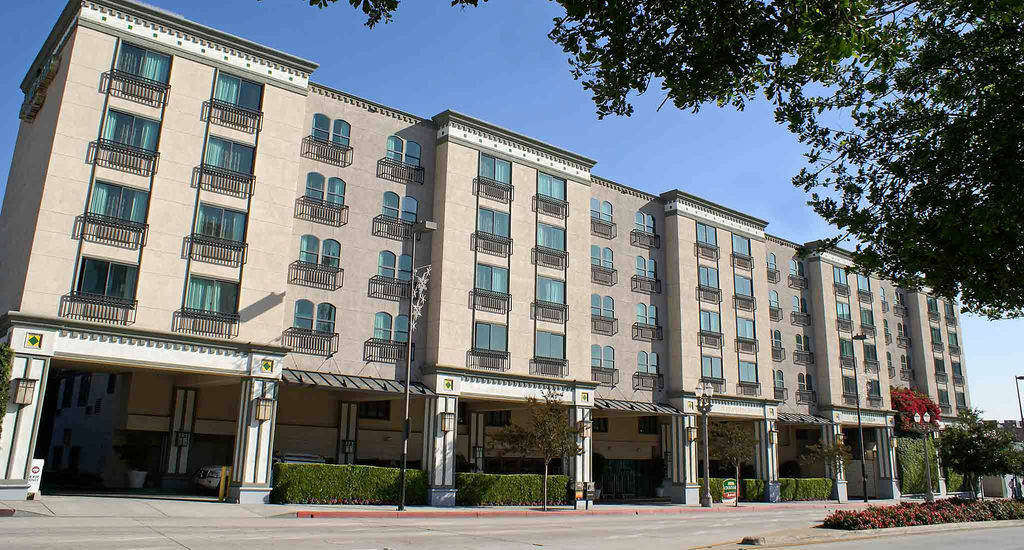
x=1016, y=382
x=704, y=393
x=417, y=297
x=860, y=425
x=926, y=431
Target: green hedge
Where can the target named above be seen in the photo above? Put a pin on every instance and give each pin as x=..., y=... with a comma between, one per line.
x=344, y=484
x=910, y=464
x=508, y=490
x=753, y=490
x=814, y=488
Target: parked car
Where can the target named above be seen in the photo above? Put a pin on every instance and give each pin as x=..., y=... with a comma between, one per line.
x=207, y=477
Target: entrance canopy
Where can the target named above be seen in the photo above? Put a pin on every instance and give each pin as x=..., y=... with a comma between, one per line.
x=798, y=418
x=635, y=406
x=350, y=382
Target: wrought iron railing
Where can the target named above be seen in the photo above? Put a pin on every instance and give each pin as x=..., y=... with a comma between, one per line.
x=778, y=353
x=707, y=338
x=603, y=228
x=718, y=384
x=940, y=376
x=487, y=359
x=748, y=388
x=938, y=347
x=98, y=307
x=223, y=180
x=551, y=206
x=604, y=376
x=321, y=211
x=775, y=313
x=647, y=285
x=644, y=239
x=215, y=250
x=709, y=294
x=874, y=401
x=327, y=151
x=871, y=366
x=742, y=261
x=847, y=362
x=773, y=275
x=900, y=310
x=603, y=275
x=888, y=337
x=797, y=282
x=201, y=321
x=550, y=311
x=850, y=399
x=494, y=189
x=136, y=88
x=550, y=257
x=389, y=288
x=489, y=300
x=806, y=397
x=746, y=345
x=607, y=326
x=648, y=381
x=549, y=366
x=379, y=350
x=934, y=316
x=867, y=330
x=841, y=289
x=781, y=394
x=865, y=296
x=231, y=115
x=954, y=349
x=951, y=320
x=844, y=325
x=400, y=172
x=945, y=408
x=906, y=375
x=647, y=333
x=314, y=275
x=310, y=342
x=800, y=318
x=123, y=157
x=903, y=341
x=744, y=303
x=111, y=230
x=391, y=228
x=803, y=357
x=492, y=244
x=705, y=250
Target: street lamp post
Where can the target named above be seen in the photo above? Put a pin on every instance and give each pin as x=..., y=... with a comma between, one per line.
x=704, y=393
x=417, y=297
x=926, y=431
x=860, y=425
x=1016, y=382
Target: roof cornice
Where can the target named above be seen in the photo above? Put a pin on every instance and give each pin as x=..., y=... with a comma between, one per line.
x=682, y=203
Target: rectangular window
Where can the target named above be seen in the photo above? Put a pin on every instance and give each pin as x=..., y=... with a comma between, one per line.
x=940, y=365
x=870, y=352
x=849, y=385
x=495, y=169
x=874, y=388
x=961, y=400
x=600, y=425
x=550, y=345
x=491, y=337
x=550, y=186
x=212, y=296
x=706, y=234
x=145, y=63
x=84, y=388
x=131, y=130
x=550, y=236
x=239, y=91
x=550, y=290
x=492, y=278
x=114, y=201
x=957, y=369
x=845, y=347
x=839, y=275
x=949, y=309
x=867, y=317
x=710, y=321
x=498, y=419
x=748, y=372
x=375, y=410
x=647, y=425
x=744, y=287
x=953, y=340
x=863, y=283
x=229, y=155
x=708, y=276
x=933, y=305
x=220, y=223
x=103, y=278
x=944, y=397
x=936, y=335
x=741, y=245
x=493, y=222
x=111, y=382
x=843, y=310
x=69, y=390
x=711, y=367
x=744, y=328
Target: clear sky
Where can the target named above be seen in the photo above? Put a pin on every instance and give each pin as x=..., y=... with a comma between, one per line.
x=496, y=63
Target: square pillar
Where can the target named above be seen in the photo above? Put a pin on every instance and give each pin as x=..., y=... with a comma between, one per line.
x=21, y=422
x=348, y=432
x=938, y=465
x=888, y=482
x=477, y=440
x=254, y=441
x=439, y=449
x=767, y=458
x=833, y=433
x=682, y=464
x=581, y=466
x=182, y=425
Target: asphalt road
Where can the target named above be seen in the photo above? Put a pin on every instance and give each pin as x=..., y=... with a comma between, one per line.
x=974, y=539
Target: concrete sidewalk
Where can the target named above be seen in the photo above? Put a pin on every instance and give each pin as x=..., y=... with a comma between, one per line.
x=815, y=535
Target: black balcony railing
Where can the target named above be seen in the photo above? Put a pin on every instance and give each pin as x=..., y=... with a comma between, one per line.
x=398, y=171
x=223, y=181
x=874, y=401
x=937, y=347
x=136, y=88
x=934, y=316
x=379, y=350
x=389, y=288
x=954, y=349
x=718, y=384
x=126, y=158
x=744, y=303
x=215, y=250
x=494, y=189
x=709, y=339
x=797, y=282
x=847, y=362
x=391, y=228
x=489, y=300
x=841, y=289
x=867, y=330
x=773, y=275
x=903, y=341
x=781, y=394
x=648, y=381
x=865, y=296
x=647, y=285
x=549, y=366
x=604, y=376
x=746, y=345
x=487, y=359
x=778, y=353
x=310, y=342
x=550, y=257
x=748, y=388
x=321, y=211
x=906, y=375
x=801, y=357
x=492, y=244
x=806, y=397
x=644, y=239
x=647, y=333
x=775, y=313
x=607, y=326
x=201, y=321
x=314, y=275
x=110, y=230
x=958, y=379
x=97, y=307
x=742, y=261
x=871, y=366
x=945, y=408
x=709, y=294
x=225, y=113
x=888, y=337
x=900, y=310
x=552, y=312
x=706, y=251
x=940, y=376
x=951, y=320
x=603, y=228
x=327, y=151
x=603, y=275
x=850, y=399
x=551, y=206
x=844, y=325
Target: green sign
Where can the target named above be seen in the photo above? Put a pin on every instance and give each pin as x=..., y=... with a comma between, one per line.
x=728, y=490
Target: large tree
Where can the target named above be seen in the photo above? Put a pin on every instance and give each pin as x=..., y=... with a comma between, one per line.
x=974, y=448
x=910, y=112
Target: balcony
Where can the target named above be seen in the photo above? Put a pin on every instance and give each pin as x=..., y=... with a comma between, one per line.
x=903, y=342
x=709, y=294
x=492, y=244
x=487, y=359
x=744, y=303
x=867, y=330
x=97, y=307
x=647, y=381
x=951, y=320
x=321, y=211
x=392, y=228
x=603, y=275
x=937, y=347
x=644, y=239
x=906, y=375
x=550, y=257
x=885, y=306
x=751, y=389
x=847, y=362
x=718, y=384
x=706, y=251
x=871, y=366
x=773, y=275
x=900, y=310
x=647, y=333
x=210, y=323
x=604, y=377
x=875, y=401
x=310, y=342
x=888, y=337
x=954, y=349
x=234, y=116
x=646, y=285
x=800, y=319
x=892, y=373
x=850, y=399
x=775, y=313
x=326, y=151
x=940, y=377
x=709, y=339
x=314, y=275
x=216, y=251
x=781, y=394
x=551, y=312
x=379, y=350
x=136, y=88
x=400, y=172
x=549, y=366
x=865, y=296
x=934, y=316
x=945, y=408
x=806, y=397
x=746, y=345
x=798, y=282
x=844, y=325
x=110, y=230
x=489, y=300
x=801, y=357
x=551, y=206
x=841, y=289
x=493, y=189
x=223, y=181
x=389, y=288
x=958, y=379
x=603, y=228
x=126, y=158
x=607, y=326
x=778, y=353
x=742, y=261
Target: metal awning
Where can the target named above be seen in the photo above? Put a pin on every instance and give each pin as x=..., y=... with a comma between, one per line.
x=635, y=406
x=350, y=382
x=798, y=418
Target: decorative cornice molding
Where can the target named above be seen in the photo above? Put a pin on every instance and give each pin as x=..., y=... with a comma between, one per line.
x=370, y=106
x=624, y=189
x=678, y=203
x=781, y=242
x=144, y=342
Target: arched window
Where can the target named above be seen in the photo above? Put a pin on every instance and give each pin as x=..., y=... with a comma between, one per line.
x=309, y=249
x=801, y=384
x=303, y=315
x=644, y=222
x=607, y=258
x=389, y=205
x=780, y=379
x=412, y=153
x=340, y=135
x=595, y=304
x=641, y=361
x=331, y=253
x=776, y=338
x=595, y=355
x=899, y=329
x=382, y=326
x=395, y=148
x=595, y=255
x=646, y=267
x=402, y=328
x=810, y=383
x=409, y=208
x=803, y=305
x=606, y=211
x=652, y=363
x=773, y=298
x=647, y=314
x=888, y=359
x=609, y=357
x=321, y=127
x=796, y=303
x=771, y=260
x=903, y=362
x=796, y=268
x=641, y=313
x=336, y=191
x=325, y=317
x=386, y=264
x=315, y=186
x=405, y=267
x=652, y=315
x=609, y=306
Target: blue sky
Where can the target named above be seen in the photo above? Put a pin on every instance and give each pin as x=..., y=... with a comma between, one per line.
x=496, y=62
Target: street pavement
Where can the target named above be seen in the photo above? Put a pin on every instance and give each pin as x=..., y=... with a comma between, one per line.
x=1011, y=538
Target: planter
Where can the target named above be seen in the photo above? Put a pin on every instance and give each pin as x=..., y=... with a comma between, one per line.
x=136, y=479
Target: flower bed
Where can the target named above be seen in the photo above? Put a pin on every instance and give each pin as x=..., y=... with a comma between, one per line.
x=930, y=513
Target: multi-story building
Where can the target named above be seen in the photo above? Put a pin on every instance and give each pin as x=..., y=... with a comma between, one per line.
x=236, y=247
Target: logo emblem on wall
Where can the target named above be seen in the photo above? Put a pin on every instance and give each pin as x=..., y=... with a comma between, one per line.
x=585, y=397
x=34, y=340
x=449, y=384
x=267, y=365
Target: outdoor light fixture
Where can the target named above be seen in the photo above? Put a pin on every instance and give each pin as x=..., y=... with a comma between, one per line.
x=586, y=428
x=773, y=436
x=668, y=457
x=264, y=408
x=447, y=422
x=478, y=452
x=24, y=390
x=691, y=432
x=182, y=439
x=348, y=446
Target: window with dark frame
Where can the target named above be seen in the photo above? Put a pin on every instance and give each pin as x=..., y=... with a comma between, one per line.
x=375, y=410
x=647, y=425
x=497, y=419
x=600, y=425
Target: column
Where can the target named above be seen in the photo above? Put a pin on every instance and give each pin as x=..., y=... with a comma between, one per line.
x=182, y=423
x=348, y=432
x=439, y=448
x=581, y=465
x=682, y=464
x=21, y=422
x=767, y=458
x=888, y=481
x=254, y=441
x=477, y=440
x=832, y=434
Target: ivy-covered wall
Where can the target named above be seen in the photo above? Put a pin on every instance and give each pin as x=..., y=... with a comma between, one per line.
x=910, y=465
x=5, y=380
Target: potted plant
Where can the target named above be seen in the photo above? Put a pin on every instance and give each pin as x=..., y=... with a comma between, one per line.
x=135, y=454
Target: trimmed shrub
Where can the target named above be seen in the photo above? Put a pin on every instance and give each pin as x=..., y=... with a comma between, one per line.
x=930, y=513
x=508, y=490
x=753, y=490
x=955, y=483
x=811, y=488
x=344, y=484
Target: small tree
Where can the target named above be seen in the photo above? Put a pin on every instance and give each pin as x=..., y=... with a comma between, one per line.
x=732, y=443
x=974, y=448
x=549, y=434
x=831, y=454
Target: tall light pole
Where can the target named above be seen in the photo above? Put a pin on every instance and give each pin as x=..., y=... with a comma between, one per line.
x=860, y=424
x=417, y=297
x=926, y=432
x=704, y=393
x=1016, y=382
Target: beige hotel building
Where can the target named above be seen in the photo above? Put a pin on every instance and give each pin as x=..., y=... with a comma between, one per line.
x=209, y=258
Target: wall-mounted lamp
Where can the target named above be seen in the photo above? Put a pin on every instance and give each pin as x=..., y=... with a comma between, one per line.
x=264, y=408
x=667, y=455
x=24, y=390
x=691, y=432
x=447, y=422
x=478, y=452
x=182, y=439
x=348, y=446
x=773, y=436
x=586, y=428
